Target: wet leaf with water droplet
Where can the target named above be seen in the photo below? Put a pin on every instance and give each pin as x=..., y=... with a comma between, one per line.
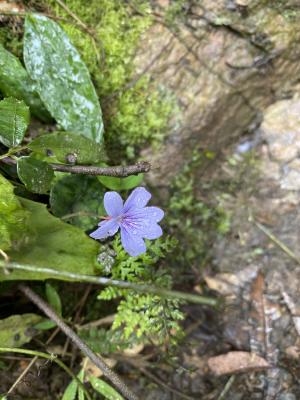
x=15, y=82
x=36, y=175
x=14, y=120
x=13, y=218
x=61, y=144
x=62, y=79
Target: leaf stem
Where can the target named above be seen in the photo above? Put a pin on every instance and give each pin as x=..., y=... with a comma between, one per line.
x=50, y=357
x=12, y=151
x=99, y=280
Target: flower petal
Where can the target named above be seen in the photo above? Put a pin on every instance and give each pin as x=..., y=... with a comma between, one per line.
x=152, y=231
x=133, y=244
x=113, y=204
x=106, y=228
x=143, y=222
x=138, y=199
x=151, y=214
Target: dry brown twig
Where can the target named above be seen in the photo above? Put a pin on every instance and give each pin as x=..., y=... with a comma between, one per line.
x=116, y=171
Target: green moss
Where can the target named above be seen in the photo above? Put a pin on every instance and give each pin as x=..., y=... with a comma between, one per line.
x=139, y=116
x=194, y=222
x=136, y=113
x=11, y=39
x=117, y=33
x=175, y=11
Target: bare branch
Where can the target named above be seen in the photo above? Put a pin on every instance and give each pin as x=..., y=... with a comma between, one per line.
x=118, y=171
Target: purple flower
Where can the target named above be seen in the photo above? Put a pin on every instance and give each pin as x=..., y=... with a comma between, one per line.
x=136, y=221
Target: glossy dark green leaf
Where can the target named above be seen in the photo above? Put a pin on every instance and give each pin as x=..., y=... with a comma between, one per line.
x=15, y=82
x=118, y=184
x=63, y=144
x=36, y=175
x=14, y=120
x=13, y=217
x=79, y=197
x=15, y=330
x=62, y=79
x=54, y=244
x=105, y=389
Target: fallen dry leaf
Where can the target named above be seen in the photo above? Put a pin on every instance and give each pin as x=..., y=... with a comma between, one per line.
x=134, y=350
x=231, y=284
x=10, y=7
x=236, y=362
x=91, y=369
x=293, y=352
x=257, y=314
x=294, y=310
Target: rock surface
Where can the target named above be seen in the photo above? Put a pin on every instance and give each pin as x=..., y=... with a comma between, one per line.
x=281, y=131
x=259, y=258
x=225, y=62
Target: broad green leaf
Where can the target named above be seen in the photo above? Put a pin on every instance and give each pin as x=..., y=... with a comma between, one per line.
x=61, y=144
x=80, y=197
x=62, y=79
x=53, y=298
x=36, y=175
x=71, y=390
x=14, y=120
x=55, y=244
x=17, y=329
x=105, y=389
x=118, y=184
x=15, y=82
x=13, y=218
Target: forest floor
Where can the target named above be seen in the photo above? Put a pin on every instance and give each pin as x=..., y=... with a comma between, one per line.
x=250, y=348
